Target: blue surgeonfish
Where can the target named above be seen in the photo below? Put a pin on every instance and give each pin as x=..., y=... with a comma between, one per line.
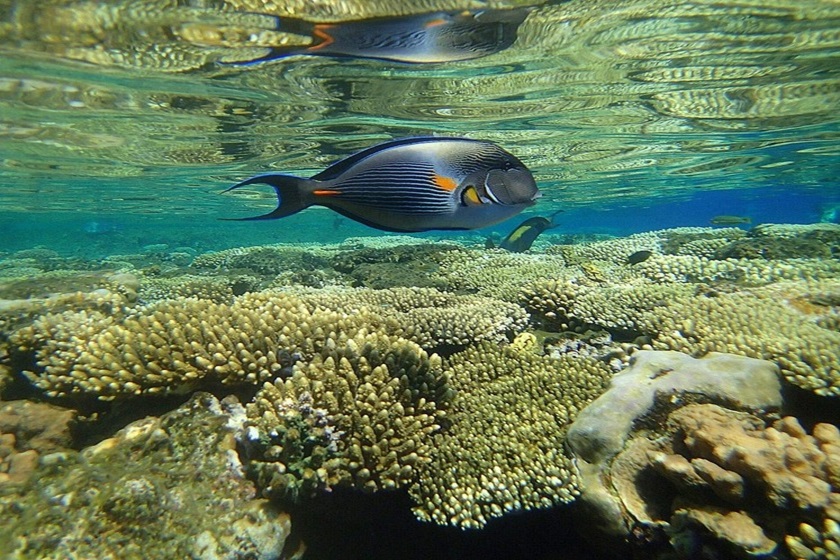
x=524, y=235
x=419, y=38
x=413, y=184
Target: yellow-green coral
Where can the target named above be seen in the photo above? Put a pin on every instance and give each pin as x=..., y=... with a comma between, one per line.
x=571, y=306
x=750, y=324
x=748, y=272
x=358, y=414
x=427, y=316
x=215, y=289
x=17, y=313
x=264, y=259
x=764, y=323
x=172, y=345
x=812, y=543
x=497, y=273
x=503, y=449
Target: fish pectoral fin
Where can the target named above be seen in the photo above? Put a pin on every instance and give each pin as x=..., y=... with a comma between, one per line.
x=470, y=197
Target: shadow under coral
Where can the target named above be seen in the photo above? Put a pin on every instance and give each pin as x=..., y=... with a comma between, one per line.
x=349, y=525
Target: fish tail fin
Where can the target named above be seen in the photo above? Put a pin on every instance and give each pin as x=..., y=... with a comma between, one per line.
x=291, y=194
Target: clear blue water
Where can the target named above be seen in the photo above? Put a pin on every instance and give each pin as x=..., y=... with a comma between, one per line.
x=636, y=117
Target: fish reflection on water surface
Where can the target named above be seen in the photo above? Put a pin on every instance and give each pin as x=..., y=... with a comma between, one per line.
x=421, y=38
x=413, y=184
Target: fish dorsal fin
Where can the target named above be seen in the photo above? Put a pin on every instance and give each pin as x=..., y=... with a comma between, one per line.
x=339, y=167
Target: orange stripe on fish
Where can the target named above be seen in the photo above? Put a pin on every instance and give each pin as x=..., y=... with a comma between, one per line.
x=326, y=192
x=320, y=31
x=435, y=22
x=445, y=183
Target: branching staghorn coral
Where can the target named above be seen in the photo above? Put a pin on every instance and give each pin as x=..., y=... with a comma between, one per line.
x=171, y=346
x=358, y=414
x=425, y=315
x=618, y=307
x=697, y=319
x=174, y=345
x=503, y=449
x=498, y=274
x=751, y=324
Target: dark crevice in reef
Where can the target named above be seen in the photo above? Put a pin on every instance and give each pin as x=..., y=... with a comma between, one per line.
x=348, y=525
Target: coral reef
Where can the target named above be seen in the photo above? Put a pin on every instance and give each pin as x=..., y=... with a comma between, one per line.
x=503, y=447
x=171, y=346
x=657, y=456
x=28, y=431
x=147, y=492
x=496, y=273
x=429, y=317
x=696, y=319
x=655, y=381
x=219, y=290
x=359, y=414
x=402, y=265
x=741, y=484
x=351, y=391
x=753, y=324
x=570, y=306
x=264, y=260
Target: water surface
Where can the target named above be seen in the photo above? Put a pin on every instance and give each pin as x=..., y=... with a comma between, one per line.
x=120, y=112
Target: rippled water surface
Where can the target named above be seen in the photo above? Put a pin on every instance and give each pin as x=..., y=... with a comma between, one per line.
x=124, y=108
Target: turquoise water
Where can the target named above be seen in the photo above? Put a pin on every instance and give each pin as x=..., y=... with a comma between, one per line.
x=123, y=114
x=122, y=122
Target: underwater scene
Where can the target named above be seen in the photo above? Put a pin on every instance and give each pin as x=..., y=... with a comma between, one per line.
x=429, y=279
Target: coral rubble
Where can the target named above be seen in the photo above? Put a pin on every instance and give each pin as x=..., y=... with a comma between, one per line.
x=146, y=492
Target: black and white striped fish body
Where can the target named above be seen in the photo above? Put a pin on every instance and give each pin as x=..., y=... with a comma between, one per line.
x=414, y=184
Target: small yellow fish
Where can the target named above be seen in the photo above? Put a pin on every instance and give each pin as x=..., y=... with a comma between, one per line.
x=726, y=220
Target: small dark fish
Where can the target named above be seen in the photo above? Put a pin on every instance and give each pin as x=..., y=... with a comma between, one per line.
x=639, y=256
x=725, y=220
x=421, y=38
x=521, y=238
x=414, y=184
